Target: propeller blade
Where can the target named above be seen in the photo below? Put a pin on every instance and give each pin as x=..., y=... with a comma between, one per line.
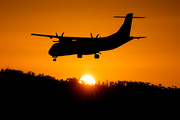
x=55, y=41
x=91, y=35
x=62, y=34
x=97, y=35
x=56, y=34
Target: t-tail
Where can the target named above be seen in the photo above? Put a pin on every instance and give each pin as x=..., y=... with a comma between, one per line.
x=125, y=29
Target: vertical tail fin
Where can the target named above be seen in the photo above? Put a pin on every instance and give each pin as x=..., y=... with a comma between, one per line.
x=126, y=27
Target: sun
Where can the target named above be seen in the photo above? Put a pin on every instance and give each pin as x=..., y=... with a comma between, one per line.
x=86, y=79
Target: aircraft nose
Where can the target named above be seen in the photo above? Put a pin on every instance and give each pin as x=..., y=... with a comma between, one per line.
x=53, y=51
x=50, y=51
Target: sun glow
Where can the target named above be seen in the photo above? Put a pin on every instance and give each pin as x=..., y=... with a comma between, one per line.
x=87, y=80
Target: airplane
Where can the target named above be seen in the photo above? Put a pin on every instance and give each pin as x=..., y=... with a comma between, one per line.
x=90, y=45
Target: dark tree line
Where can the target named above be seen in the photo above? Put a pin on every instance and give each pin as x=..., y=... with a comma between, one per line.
x=28, y=90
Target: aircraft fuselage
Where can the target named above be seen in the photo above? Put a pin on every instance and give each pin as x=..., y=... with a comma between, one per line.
x=86, y=47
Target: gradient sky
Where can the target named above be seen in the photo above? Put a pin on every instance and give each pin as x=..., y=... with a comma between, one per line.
x=154, y=59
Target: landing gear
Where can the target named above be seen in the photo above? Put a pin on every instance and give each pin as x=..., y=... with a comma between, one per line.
x=79, y=55
x=54, y=58
x=96, y=56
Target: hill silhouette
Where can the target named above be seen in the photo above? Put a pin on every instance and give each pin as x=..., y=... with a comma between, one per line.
x=24, y=92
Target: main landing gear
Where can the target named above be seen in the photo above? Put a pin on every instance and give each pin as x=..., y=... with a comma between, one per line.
x=96, y=56
x=79, y=55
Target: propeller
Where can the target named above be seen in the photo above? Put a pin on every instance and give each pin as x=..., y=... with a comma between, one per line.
x=59, y=37
x=92, y=35
x=61, y=34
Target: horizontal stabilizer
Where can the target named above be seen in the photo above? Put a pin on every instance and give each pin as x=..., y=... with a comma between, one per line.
x=125, y=17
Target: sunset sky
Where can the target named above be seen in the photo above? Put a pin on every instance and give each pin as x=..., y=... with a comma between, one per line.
x=154, y=59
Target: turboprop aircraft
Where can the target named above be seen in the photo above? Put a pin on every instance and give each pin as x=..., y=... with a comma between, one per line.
x=90, y=45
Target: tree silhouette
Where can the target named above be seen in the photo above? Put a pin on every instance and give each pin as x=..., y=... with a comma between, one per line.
x=30, y=91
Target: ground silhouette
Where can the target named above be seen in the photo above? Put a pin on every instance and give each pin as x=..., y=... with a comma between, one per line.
x=26, y=93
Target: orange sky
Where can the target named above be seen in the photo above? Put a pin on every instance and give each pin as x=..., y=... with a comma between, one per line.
x=154, y=59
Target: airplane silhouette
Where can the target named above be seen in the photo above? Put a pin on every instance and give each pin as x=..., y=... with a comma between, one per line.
x=86, y=46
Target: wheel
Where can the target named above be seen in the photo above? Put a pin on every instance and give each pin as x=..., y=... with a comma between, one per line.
x=96, y=56
x=54, y=59
x=79, y=55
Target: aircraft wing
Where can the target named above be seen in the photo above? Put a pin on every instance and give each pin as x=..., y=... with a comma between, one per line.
x=56, y=36
x=51, y=36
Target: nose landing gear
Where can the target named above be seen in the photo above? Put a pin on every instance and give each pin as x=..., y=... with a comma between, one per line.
x=54, y=58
